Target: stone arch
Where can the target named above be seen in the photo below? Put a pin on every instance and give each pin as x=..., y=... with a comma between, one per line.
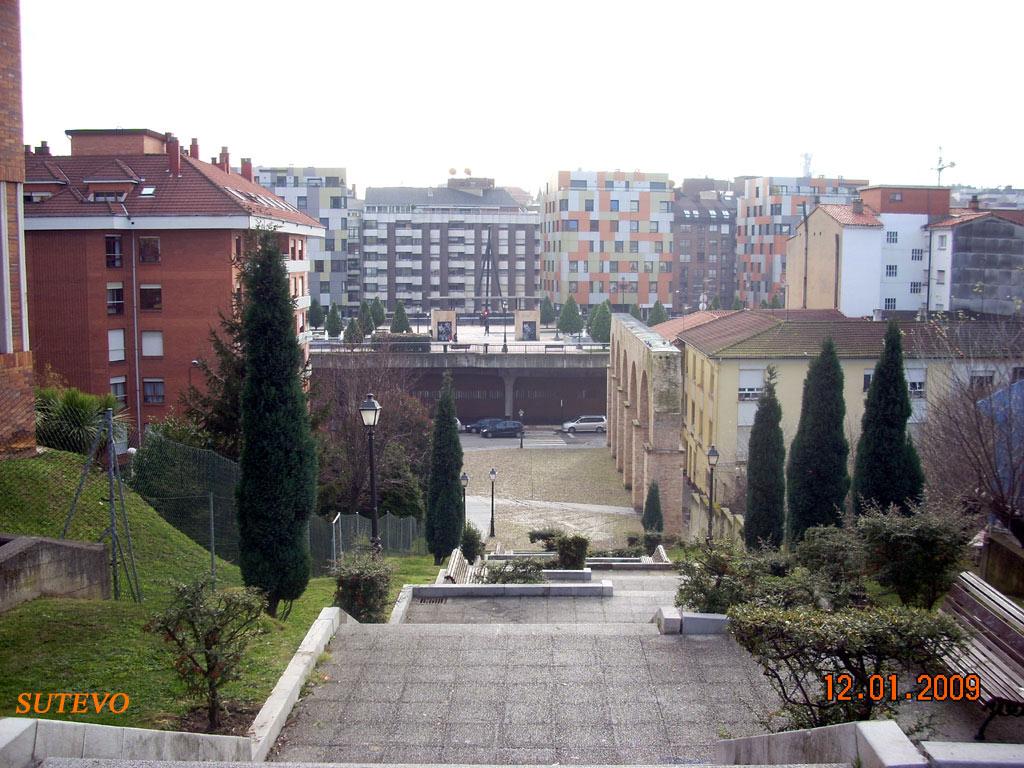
x=641, y=436
x=627, y=432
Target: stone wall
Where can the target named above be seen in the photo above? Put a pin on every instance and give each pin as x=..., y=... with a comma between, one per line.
x=32, y=567
x=17, y=404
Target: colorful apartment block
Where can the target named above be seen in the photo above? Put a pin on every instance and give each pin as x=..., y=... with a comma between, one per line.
x=608, y=235
x=323, y=193
x=768, y=210
x=132, y=247
x=17, y=427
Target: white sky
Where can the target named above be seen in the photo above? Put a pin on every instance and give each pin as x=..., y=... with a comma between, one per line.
x=399, y=92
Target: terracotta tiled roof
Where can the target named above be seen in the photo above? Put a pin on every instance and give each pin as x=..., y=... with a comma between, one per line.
x=201, y=189
x=672, y=328
x=846, y=216
x=722, y=332
x=963, y=215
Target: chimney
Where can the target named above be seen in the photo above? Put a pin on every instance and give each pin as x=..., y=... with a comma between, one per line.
x=28, y=149
x=974, y=205
x=193, y=149
x=858, y=205
x=225, y=160
x=247, y=168
x=43, y=149
x=173, y=154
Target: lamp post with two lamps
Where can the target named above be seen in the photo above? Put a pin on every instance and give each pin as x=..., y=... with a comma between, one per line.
x=369, y=411
x=712, y=461
x=493, y=474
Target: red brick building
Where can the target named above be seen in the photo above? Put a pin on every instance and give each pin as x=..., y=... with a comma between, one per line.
x=17, y=427
x=131, y=246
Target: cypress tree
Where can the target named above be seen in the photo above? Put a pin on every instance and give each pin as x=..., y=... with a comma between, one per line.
x=887, y=469
x=634, y=311
x=657, y=314
x=315, y=316
x=652, y=519
x=817, y=479
x=766, y=482
x=547, y=312
x=775, y=303
x=353, y=333
x=366, y=325
x=400, y=322
x=716, y=303
x=377, y=313
x=736, y=303
x=445, y=516
x=601, y=327
x=570, y=321
x=277, y=489
x=333, y=322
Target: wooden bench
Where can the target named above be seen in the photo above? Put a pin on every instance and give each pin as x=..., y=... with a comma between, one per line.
x=995, y=648
x=461, y=571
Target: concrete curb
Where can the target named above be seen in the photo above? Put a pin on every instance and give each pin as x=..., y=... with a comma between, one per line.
x=26, y=741
x=669, y=620
x=271, y=718
x=568, y=589
x=704, y=623
x=870, y=744
x=401, y=608
x=973, y=754
x=556, y=574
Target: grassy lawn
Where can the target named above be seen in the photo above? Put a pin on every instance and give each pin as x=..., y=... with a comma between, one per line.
x=53, y=645
x=413, y=569
x=582, y=475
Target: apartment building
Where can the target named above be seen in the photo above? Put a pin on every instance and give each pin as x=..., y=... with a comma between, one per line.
x=608, y=235
x=17, y=427
x=132, y=247
x=768, y=211
x=449, y=246
x=336, y=261
x=704, y=235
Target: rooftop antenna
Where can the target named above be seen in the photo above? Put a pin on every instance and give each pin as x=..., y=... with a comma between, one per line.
x=807, y=165
x=941, y=167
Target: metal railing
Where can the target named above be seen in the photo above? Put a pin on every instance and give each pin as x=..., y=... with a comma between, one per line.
x=472, y=348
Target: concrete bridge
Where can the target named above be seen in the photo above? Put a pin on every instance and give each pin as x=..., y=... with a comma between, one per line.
x=548, y=382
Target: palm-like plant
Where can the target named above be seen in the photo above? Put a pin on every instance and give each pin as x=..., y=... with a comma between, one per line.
x=69, y=419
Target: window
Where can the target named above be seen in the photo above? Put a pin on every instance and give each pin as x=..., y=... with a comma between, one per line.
x=332, y=181
x=942, y=242
x=895, y=197
x=634, y=246
x=153, y=391
x=653, y=227
x=666, y=206
x=940, y=277
x=776, y=209
x=119, y=389
x=113, y=243
x=890, y=303
x=867, y=379
x=664, y=266
x=152, y=343
x=915, y=287
x=609, y=184
x=648, y=266
x=634, y=226
x=890, y=270
x=577, y=183
x=149, y=250
x=614, y=204
x=107, y=197
x=150, y=297
x=115, y=298
x=634, y=206
x=634, y=266
x=982, y=380
x=619, y=246
x=659, y=247
x=588, y=205
x=572, y=225
x=892, y=237
x=594, y=225
x=148, y=192
x=563, y=204
x=917, y=254
x=337, y=201
x=916, y=389
x=115, y=345
x=574, y=266
x=573, y=286
x=591, y=246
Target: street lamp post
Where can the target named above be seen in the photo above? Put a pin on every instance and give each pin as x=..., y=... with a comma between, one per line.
x=369, y=410
x=504, y=326
x=465, y=481
x=712, y=461
x=493, y=474
x=522, y=428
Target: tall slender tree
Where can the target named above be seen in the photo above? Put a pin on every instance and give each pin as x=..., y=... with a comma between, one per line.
x=547, y=312
x=400, y=321
x=315, y=316
x=377, y=312
x=333, y=322
x=569, y=321
x=766, y=481
x=887, y=469
x=366, y=325
x=652, y=519
x=353, y=333
x=817, y=478
x=634, y=310
x=277, y=489
x=601, y=326
x=657, y=314
x=445, y=516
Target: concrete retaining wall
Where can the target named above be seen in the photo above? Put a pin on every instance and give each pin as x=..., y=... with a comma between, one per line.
x=1002, y=564
x=31, y=567
x=592, y=589
x=871, y=744
x=25, y=741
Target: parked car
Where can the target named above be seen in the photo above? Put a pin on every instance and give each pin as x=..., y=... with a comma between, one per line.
x=503, y=429
x=586, y=424
x=477, y=426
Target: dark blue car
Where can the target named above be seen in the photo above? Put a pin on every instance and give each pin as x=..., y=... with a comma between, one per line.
x=503, y=429
x=479, y=426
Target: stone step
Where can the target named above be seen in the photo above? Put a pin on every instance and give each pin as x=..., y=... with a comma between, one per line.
x=72, y=762
x=490, y=630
